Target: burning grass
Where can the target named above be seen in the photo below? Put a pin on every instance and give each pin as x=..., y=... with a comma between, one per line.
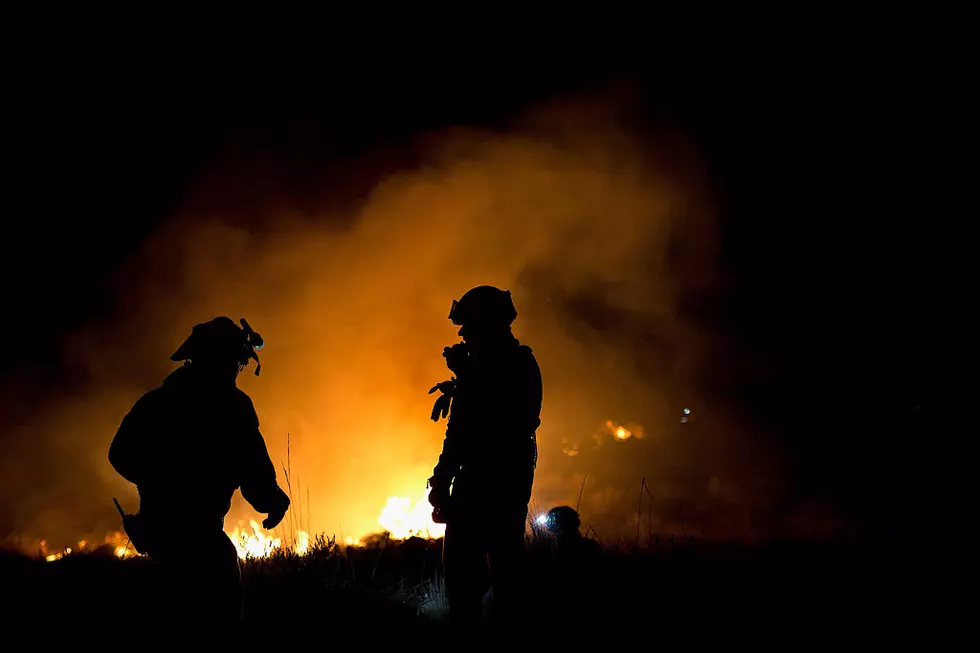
x=388, y=587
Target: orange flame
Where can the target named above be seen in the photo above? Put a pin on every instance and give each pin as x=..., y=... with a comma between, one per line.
x=261, y=543
x=621, y=433
x=403, y=519
x=116, y=541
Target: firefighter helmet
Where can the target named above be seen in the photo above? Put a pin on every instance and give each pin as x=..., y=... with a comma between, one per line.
x=484, y=305
x=221, y=338
x=563, y=519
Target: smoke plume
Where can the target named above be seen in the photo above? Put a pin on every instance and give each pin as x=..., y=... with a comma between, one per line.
x=607, y=239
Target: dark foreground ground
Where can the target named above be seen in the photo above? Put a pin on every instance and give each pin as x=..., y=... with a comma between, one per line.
x=680, y=593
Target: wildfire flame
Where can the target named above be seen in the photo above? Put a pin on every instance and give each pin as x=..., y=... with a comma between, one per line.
x=621, y=433
x=569, y=448
x=116, y=541
x=302, y=543
x=403, y=519
x=57, y=556
x=121, y=546
x=618, y=433
x=254, y=544
x=260, y=543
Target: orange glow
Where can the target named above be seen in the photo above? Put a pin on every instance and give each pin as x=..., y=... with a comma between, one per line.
x=254, y=544
x=404, y=518
x=121, y=546
x=257, y=542
x=621, y=433
x=116, y=541
x=569, y=210
x=57, y=556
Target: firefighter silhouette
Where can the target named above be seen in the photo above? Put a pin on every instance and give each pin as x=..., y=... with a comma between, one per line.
x=574, y=572
x=187, y=446
x=481, y=486
x=573, y=549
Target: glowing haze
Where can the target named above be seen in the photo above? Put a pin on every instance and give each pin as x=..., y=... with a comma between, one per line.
x=600, y=240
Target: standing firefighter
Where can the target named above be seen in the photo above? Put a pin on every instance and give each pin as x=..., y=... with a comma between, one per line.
x=187, y=446
x=488, y=459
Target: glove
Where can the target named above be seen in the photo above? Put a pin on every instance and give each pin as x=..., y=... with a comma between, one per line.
x=442, y=404
x=456, y=356
x=439, y=500
x=276, y=515
x=439, y=516
x=272, y=519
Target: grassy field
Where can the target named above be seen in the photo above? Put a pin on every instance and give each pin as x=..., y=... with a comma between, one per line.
x=389, y=592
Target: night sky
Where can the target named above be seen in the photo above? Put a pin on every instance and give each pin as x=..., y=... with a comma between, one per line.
x=848, y=264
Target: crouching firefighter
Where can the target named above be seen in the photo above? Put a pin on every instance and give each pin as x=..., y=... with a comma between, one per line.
x=187, y=446
x=481, y=486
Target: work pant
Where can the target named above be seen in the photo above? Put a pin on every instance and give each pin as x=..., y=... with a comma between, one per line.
x=484, y=544
x=200, y=584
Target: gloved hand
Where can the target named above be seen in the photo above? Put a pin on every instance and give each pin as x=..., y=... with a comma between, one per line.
x=439, y=516
x=443, y=403
x=456, y=357
x=273, y=519
x=438, y=499
x=276, y=515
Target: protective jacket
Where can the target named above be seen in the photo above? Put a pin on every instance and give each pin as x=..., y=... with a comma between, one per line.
x=188, y=445
x=495, y=413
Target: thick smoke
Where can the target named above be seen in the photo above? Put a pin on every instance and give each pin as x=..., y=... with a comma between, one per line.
x=607, y=245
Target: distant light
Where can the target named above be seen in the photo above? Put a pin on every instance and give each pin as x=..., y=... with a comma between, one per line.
x=683, y=420
x=542, y=519
x=687, y=411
